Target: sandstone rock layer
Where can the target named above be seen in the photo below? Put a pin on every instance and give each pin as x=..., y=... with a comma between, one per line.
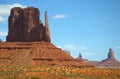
x=36, y=54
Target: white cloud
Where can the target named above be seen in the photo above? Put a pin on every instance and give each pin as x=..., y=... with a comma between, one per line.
x=60, y=16
x=5, y=10
x=118, y=47
x=58, y=46
x=2, y=19
x=2, y=33
x=74, y=47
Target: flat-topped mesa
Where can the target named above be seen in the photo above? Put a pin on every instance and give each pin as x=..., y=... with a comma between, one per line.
x=25, y=26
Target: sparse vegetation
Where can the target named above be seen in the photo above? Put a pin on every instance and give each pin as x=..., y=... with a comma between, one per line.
x=57, y=72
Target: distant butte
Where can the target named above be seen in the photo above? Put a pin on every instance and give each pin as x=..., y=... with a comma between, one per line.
x=82, y=59
x=28, y=42
x=110, y=61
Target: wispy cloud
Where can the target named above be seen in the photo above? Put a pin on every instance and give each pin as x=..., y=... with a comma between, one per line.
x=74, y=47
x=5, y=10
x=87, y=54
x=58, y=46
x=2, y=19
x=118, y=47
x=3, y=33
x=60, y=16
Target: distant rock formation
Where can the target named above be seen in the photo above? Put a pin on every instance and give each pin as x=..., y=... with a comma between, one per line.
x=110, y=54
x=25, y=26
x=109, y=62
x=80, y=57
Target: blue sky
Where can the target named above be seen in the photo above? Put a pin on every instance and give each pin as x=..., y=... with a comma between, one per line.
x=89, y=27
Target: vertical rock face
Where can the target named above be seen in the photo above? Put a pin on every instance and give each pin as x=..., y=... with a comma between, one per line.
x=25, y=26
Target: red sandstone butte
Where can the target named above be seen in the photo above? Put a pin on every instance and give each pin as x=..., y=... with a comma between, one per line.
x=28, y=42
x=25, y=26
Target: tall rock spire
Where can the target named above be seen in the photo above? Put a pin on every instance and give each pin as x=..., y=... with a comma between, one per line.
x=80, y=56
x=47, y=32
x=46, y=19
x=110, y=54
